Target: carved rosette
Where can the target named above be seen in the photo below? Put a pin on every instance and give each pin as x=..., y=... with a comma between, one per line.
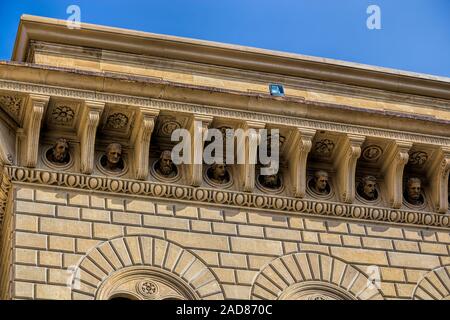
x=63, y=115
x=168, y=127
x=117, y=121
x=147, y=288
x=372, y=153
x=418, y=158
x=324, y=148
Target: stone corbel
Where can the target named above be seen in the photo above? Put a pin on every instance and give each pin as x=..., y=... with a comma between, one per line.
x=299, y=147
x=438, y=178
x=197, y=128
x=140, y=140
x=345, y=164
x=35, y=111
x=249, y=145
x=87, y=129
x=395, y=161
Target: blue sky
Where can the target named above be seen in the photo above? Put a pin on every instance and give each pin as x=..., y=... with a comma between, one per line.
x=414, y=34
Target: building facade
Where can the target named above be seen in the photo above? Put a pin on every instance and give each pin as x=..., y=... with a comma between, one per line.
x=93, y=207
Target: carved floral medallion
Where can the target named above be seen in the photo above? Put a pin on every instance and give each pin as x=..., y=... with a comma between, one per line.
x=372, y=153
x=63, y=115
x=117, y=121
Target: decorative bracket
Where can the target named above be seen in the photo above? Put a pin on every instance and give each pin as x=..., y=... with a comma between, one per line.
x=140, y=139
x=197, y=128
x=438, y=177
x=7, y=149
x=87, y=129
x=345, y=163
x=299, y=147
x=249, y=145
x=396, y=159
x=32, y=126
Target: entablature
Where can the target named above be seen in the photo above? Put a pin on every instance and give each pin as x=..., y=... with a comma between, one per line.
x=89, y=122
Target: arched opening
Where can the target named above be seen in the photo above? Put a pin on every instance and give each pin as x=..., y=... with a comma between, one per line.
x=315, y=290
x=144, y=283
x=122, y=296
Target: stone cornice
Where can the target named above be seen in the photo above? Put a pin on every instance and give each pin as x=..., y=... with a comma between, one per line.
x=297, y=83
x=176, y=48
x=216, y=197
x=206, y=110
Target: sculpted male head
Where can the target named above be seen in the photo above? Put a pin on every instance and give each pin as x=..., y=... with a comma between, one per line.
x=321, y=181
x=413, y=190
x=60, y=151
x=165, y=164
x=270, y=181
x=218, y=171
x=114, y=157
x=368, y=188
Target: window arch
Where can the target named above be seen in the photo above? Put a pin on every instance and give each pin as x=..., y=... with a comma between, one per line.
x=143, y=267
x=315, y=290
x=312, y=276
x=144, y=283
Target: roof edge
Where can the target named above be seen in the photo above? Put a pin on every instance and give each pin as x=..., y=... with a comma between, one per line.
x=214, y=53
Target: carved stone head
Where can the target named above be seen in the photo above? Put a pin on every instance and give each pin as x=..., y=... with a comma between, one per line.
x=218, y=173
x=60, y=152
x=165, y=166
x=367, y=188
x=114, y=161
x=321, y=182
x=413, y=192
x=271, y=181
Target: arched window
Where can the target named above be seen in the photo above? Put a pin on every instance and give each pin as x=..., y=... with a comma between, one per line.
x=144, y=283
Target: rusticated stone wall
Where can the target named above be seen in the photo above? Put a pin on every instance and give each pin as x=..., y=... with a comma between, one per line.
x=247, y=254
